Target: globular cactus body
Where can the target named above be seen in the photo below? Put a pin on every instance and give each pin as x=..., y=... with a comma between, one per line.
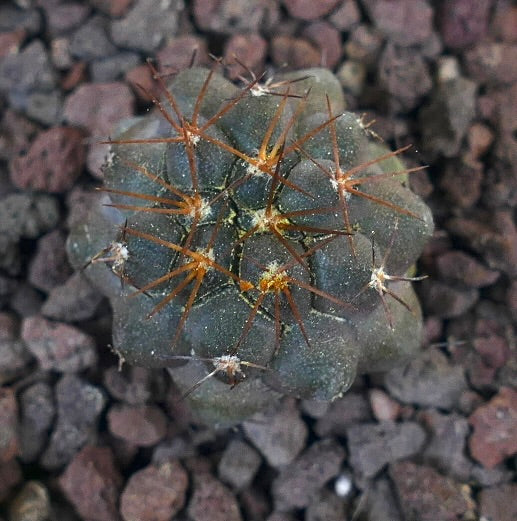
x=235, y=225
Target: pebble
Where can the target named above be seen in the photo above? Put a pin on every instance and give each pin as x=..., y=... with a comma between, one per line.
x=113, y=8
x=212, y=501
x=16, y=133
x=12, y=18
x=90, y=41
x=492, y=62
x=37, y=414
x=26, y=300
x=299, y=483
x=352, y=408
x=98, y=107
x=480, y=139
x=79, y=405
x=177, y=54
x=493, y=438
x=295, y=53
x=461, y=23
x=49, y=266
x=461, y=268
x=238, y=464
x=371, y=446
x=44, y=107
x=346, y=16
x=155, y=493
x=378, y=502
x=143, y=426
x=446, y=301
x=32, y=503
x=279, y=435
x=63, y=18
x=114, y=67
x=328, y=40
x=445, y=450
x=384, y=407
x=499, y=503
x=58, y=346
x=405, y=75
x=363, y=45
x=29, y=70
x=426, y=495
x=309, y=10
x=352, y=76
x=132, y=384
x=14, y=356
x=10, y=476
x=92, y=483
x=147, y=23
x=462, y=182
x=250, y=50
x=455, y=103
x=236, y=16
x=10, y=42
x=325, y=507
x=9, y=428
x=406, y=23
x=504, y=22
x=73, y=301
x=428, y=381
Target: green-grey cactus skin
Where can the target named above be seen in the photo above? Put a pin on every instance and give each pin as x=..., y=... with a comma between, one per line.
x=223, y=231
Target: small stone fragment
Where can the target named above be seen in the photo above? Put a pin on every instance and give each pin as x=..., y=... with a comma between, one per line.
x=352, y=408
x=58, y=346
x=236, y=16
x=147, y=24
x=446, y=301
x=446, y=119
x=73, y=301
x=325, y=507
x=114, y=67
x=429, y=381
x=461, y=182
x=212, y=501
x=372, y=446
x=10, y=476
x=459, y=267
x=49, y=267
x=280, y=435
x=499, y=503
x=14, y=356
x=492, y=62
x=131, y=385
x=248, y=49
x=352, y=75
x=143, y=426
x=463, y=22
x=9, y=428
x=297, y=53
x=155, y=493
x=178, y=53
x=239, y=464
x=79, y=406
x=90, y=41
x=494, y=423
x=62, y=18
x=299, y=483
x=328, y=39
x=379, y=502
x=384, y=407
x=32, y=503
x=446, y=448
x=346, y=15
x=405, y=75
x=37, y=414
x=406, y=23
x=426, y=495
x=92, y=483
x=309, y=10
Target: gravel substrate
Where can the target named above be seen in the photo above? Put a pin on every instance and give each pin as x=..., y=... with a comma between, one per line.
x=434, y=441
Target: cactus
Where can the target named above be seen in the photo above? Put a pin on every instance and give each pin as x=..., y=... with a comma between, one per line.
x=255, y=236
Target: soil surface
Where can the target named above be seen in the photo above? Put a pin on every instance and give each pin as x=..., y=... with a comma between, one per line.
x=436, y=440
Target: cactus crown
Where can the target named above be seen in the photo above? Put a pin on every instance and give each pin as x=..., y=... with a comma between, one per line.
x=240, y=223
